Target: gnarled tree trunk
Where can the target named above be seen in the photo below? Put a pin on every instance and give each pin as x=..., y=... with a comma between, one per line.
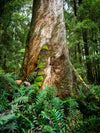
x=46, y=49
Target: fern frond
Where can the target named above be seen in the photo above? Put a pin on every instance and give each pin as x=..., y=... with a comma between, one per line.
x=48, y=129
x=22, y=99
x=4, y=119
x=26, y=118
x=46, y=94
x=11, y=127
x=57, y=103
x=57, y=117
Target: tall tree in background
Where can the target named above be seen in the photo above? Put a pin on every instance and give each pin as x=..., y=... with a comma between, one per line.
x=82, y=24
x=14, y=25
x=46, y=50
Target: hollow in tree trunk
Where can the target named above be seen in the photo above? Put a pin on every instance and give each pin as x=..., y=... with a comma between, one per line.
x=46, y=50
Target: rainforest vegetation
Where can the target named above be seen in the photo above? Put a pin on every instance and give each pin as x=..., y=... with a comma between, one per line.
x=43, y=87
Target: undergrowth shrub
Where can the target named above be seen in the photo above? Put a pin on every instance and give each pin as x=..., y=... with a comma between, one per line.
x=89, y=106
x=7, y=89
x=30, y=110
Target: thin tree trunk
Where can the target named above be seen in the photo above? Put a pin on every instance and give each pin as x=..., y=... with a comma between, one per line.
x=80, y=54
x=79, y=2
x=4, y=63
x=75, y=8
x=88, y=62
x=46, y=45
x=97, y=64
x=75, y=53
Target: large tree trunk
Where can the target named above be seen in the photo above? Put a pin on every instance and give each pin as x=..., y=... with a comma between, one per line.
x=46, y=50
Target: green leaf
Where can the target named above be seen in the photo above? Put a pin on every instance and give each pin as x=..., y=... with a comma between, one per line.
x=22, y=51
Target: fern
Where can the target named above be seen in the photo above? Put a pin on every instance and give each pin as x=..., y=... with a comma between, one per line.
x=26, y=91
x=4, y=119
x=57, y=103
x=31, y=110
x=56, y=117
x=11, y=127
x=63, y=130
x=29, y=131
x=44, y=115
x=48, y=129
x=92, y=123
x=46, y=94
x=22, y=99
x=21, y=115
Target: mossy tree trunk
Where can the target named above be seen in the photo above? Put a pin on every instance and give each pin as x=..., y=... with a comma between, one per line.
x=46, y=50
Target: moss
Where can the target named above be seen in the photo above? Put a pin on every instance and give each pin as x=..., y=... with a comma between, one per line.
x=72, y=94
x=38, y=61
x=40, y=73
x=38, y=81
x=40, y=65
x=62, y=87
x=98, y=99
x=39, y=78
x=45, y=47
x=80, y=79
x=39, y=84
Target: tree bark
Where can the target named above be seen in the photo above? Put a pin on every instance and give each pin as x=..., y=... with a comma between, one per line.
x=46, y=45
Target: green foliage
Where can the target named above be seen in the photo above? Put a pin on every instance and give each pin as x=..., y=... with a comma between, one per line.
x=48, y=129
x=28, y=110
x=14, y=25
x=6, y=118
x=38, y=81
x=22, y=99
x=82, y=32
x=7, y=90
x=31, y=110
